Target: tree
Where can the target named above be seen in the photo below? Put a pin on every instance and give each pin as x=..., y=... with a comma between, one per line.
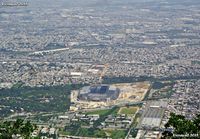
x=27, y=129
x=9, y=129
x=181, y=126
x=197, y=121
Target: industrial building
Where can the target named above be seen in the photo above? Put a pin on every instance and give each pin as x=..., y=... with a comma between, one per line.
x=152, y=115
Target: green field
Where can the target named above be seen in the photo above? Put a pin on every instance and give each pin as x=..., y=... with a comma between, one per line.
x=76, y=130
x=116, y=134
x=92, y=132
x=128, y=110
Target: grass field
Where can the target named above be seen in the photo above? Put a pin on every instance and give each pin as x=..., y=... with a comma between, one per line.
x=128, y=110
x=116, y=134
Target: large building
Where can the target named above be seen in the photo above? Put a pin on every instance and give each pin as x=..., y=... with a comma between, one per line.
x=152, y=115
x=98, y=93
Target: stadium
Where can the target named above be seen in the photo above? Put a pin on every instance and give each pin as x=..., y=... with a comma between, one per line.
x=98, y=93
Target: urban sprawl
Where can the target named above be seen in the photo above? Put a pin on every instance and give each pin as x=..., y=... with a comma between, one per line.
x=125, y=66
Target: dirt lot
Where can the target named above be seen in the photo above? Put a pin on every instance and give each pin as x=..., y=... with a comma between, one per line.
x=132, y=92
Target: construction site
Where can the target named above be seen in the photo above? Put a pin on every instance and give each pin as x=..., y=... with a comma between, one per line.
x=104, y=96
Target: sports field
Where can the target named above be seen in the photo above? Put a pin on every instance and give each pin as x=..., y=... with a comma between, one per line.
x=128, y=110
